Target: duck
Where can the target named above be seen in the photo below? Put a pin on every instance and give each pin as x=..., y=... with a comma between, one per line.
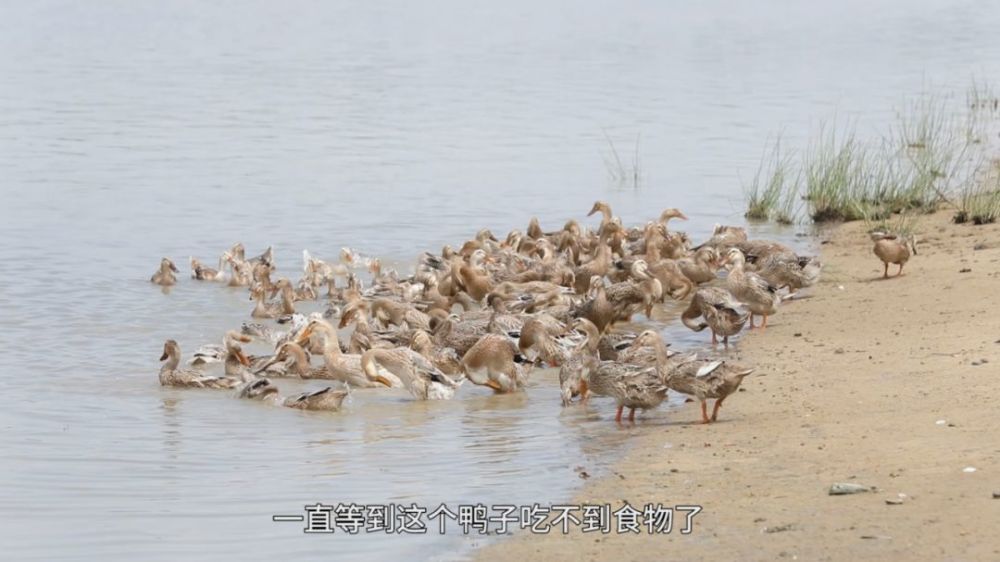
x=702, y=266
x=325, y=399
x=172, y=375
x=761, y=297
x=457, y=334
x=577, y=368
x=720, y=311
x=418, y=375
x=643, y=350
x=491, y=362
x=894, y=249
x=597, y=266
x=473, y=279
x=725, y=237
x=202, y=272
x=632, y=386
x=597, y=308
x=629, y=297
x=240, y=272
x=444, y=358
x=671, y=213
x=701, y=379
x=536, y=343
x=340, y=366
x=291, y=360
x=165, y=275
x=264, y=309
x=705, y=379
x=787, y=269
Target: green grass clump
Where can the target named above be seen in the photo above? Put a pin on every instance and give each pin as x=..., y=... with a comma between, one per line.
x=980, y=203
x=837, y=173
x=767, y=193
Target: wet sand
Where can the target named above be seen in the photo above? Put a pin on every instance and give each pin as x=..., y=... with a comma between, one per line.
x=877, y=382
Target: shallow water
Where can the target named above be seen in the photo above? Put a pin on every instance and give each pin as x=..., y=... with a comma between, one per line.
x=129, y=131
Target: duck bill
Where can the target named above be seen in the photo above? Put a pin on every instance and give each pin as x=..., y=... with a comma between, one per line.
x=383, y=380
x=174, y=268
x=494, y=385
x=303, y=338
x=165, y=356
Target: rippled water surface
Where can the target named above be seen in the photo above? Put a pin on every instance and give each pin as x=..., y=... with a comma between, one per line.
x=134, y=130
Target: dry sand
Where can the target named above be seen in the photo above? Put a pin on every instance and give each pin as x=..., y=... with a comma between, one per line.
x=851, y=386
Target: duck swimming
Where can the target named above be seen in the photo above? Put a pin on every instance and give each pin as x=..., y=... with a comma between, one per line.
x=165, y=275
x=203, y=273
x=420, y=377
x=325, y=399
x=172, y=375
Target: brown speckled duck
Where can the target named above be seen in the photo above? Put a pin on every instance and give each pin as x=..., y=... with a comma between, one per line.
x=165, y=275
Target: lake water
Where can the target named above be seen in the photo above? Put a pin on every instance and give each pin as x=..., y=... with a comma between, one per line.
x=135, y=130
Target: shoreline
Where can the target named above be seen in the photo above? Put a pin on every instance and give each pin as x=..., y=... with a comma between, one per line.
x=884, y=383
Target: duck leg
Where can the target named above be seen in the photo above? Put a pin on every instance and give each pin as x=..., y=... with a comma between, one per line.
x=885, y=272
x=715, y=340
x=715, y=409
x=900, y=272
x=725, y=341
x=763, y=326
x=583, y=391
x=631, y=415
x=618, y=416
x=751, y=321
x=704, y=413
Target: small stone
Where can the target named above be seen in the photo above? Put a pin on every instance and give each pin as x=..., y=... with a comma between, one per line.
x=969, y=469
x=996, y=495
x=674, y=470
x=839, y=351
x=779, y=528
x=941, y=422
x=894, y=501
x=965, y=270
x=846, y=488
x=799, y=335
x=584, y=475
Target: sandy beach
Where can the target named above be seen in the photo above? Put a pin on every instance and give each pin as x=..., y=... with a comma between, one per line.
x=884, y=383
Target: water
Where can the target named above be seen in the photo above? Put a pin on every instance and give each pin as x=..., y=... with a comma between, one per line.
x=129, y=131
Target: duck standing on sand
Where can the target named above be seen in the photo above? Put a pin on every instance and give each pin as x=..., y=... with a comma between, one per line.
x=705, y=379
x=751, y=289
x=719, y=310
x=165, y=275
x=894, y=249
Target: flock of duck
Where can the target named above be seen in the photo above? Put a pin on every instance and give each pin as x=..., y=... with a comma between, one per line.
x=491, y=311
